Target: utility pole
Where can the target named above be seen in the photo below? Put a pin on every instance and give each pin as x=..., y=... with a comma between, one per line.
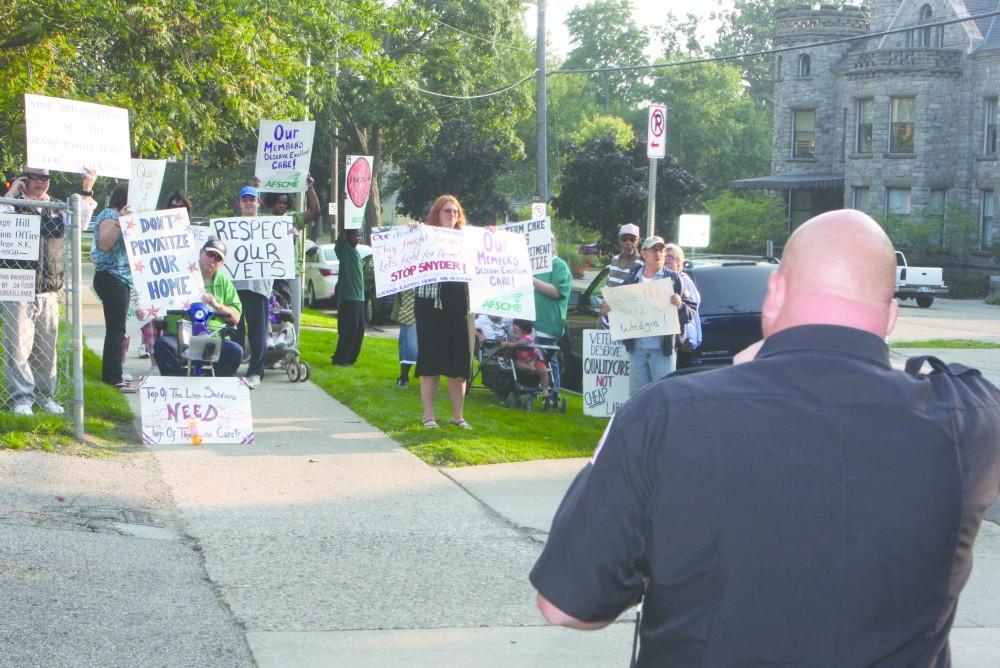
x=541, y=109
x=334, y=206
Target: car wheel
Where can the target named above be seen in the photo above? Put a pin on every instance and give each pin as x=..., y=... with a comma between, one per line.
x=925, y=302
x=310, y=295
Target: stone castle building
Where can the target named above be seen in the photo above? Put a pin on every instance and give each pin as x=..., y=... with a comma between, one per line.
x=901, y=124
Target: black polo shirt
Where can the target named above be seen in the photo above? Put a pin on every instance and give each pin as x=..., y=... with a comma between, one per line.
x=813, y=507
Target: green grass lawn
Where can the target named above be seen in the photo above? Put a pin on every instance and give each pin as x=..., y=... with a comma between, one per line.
x=314, y=318
x=957, y=344
x=107, y=422
x=499, y=434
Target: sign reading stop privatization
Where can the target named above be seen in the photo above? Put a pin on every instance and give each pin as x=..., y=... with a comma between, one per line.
x=656, y=137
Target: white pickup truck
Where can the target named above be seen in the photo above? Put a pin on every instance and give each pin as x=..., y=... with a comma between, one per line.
x=920, y=283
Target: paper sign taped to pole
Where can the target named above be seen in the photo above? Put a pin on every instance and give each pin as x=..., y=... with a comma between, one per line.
x=19, y=236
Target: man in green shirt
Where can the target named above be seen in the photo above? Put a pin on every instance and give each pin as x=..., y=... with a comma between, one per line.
x=552, y=290
x=220, y=295
x=350, y=300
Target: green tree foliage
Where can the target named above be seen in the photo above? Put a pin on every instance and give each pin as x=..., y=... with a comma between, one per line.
x=600, y=125
x=714, y=129
x=461, y=162
x=605, y=186
x=743, y=224
x=604, y=34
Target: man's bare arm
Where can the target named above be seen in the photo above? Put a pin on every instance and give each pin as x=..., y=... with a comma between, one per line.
x=557, y=617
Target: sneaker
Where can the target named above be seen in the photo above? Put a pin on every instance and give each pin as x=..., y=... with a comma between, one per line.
x=253, y=382
x=143, y=353
x=22, y=409
x=402, y=383
x=127, y=377
x=50, y=406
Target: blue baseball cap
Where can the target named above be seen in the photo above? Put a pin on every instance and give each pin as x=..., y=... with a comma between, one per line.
x=249, y=190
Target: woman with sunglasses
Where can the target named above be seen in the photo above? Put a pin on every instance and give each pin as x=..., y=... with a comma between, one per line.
x=444, y=328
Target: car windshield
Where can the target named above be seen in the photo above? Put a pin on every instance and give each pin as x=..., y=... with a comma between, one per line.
x=329, y=254
x=732, y=289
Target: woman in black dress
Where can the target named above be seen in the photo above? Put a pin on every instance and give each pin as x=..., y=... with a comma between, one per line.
x=444, y=328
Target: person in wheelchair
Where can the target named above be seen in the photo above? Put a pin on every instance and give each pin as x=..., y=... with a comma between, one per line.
x=527, y=358
x=220, y=295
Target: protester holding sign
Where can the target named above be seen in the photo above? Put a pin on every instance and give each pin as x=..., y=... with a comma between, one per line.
x=281, y=204
x=254, y=294
x=350, y=300
x=444, y=328
x=30, y=328
x=652, y=357
x=552, y=290
x=113, y=284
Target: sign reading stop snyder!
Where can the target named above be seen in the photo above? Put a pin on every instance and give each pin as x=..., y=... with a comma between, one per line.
x=656, y=138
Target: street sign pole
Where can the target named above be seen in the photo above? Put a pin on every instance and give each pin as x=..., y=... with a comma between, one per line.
x=656, y=148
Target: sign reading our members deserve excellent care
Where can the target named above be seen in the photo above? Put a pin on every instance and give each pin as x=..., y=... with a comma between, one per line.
x=284, y=151
x=164, y=261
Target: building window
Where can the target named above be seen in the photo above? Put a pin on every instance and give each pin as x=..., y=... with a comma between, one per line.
x=777, y=68
x=805, y=66
x=930, y=36
x=935, y=212
x=990, y=127
x=859, y=197
x=801, y=207
x=865, y=120
x=804, y=141
x=987, y=215
x=901, y=137
x=897, y=202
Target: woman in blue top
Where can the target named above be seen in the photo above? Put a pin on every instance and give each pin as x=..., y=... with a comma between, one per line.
x=113, y=284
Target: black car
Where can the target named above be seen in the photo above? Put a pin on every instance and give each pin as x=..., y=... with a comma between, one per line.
x=377, y=309
x=732, y=293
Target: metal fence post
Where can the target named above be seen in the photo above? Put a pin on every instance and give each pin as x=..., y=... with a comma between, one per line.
x=76, y=302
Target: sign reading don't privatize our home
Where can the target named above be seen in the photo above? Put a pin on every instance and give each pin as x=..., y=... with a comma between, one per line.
x=163, y=260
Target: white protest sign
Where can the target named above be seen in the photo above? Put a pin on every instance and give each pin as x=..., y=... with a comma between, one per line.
x=693, y=230
x=516, y=303
x=17, y=285
x=164, y=261
x=68, y=135
x=145, y=183
x=261, y=247
x=19, y=235
x=358, y=184
x=641, y=309
x=413, y=255
x=605, y=373
x=499, y=260
x=195, y=410
x=284, y=151
x=538, y=234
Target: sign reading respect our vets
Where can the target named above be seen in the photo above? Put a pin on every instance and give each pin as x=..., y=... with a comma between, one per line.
x=641, y=309
x=17, y=285
x=68, y=135
x=538, y=234
x=261, y=247
x=195, y=410
x=145, y=183
x=19, y=235
x=284, y=151
x=605, y=373
x=408, y=256
x=164, y=261
x=358, y=184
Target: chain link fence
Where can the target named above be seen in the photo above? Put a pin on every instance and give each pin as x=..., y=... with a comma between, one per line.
x=41, y=332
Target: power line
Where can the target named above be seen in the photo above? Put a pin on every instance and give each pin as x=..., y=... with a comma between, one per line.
x=783, y=49
x=483, y=39
x=472, y=97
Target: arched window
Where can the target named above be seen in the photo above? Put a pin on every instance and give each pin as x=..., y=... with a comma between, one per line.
x=805, y=66
x=929, y=36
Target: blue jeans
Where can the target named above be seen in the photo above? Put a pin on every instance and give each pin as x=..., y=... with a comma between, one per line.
x=647, y=365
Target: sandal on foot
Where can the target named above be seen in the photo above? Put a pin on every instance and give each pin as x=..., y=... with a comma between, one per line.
x=462, y=424
x=431, y=424
x=126, y=387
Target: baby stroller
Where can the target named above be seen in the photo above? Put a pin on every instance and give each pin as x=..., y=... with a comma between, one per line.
x=282, y=336
x=518, y=388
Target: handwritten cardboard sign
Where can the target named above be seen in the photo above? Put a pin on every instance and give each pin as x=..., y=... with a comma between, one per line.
x=68, y=135
x=358, y=185
x=284, y=151
x=195, y=410
x=538, y=234
x=164, y=261
x=261, y=247
x=19, y=235
x=145, y=183
x=641, y=309
x=17, y=285
x=407, y=257
x=605, y=373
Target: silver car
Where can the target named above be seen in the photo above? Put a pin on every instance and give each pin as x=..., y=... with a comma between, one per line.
x=322, y=269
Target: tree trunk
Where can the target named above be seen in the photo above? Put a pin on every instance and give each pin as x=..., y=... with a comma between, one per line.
x=373, y=214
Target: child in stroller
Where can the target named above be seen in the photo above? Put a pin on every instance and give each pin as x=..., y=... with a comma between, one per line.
x=517, y=369
x=282, y=336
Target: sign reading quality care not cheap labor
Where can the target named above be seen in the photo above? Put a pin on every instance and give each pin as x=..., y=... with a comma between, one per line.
x=284, y=151
x=68, y=135
x=605, y=373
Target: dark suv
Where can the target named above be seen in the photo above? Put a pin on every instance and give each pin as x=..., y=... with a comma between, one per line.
x=732, y=293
